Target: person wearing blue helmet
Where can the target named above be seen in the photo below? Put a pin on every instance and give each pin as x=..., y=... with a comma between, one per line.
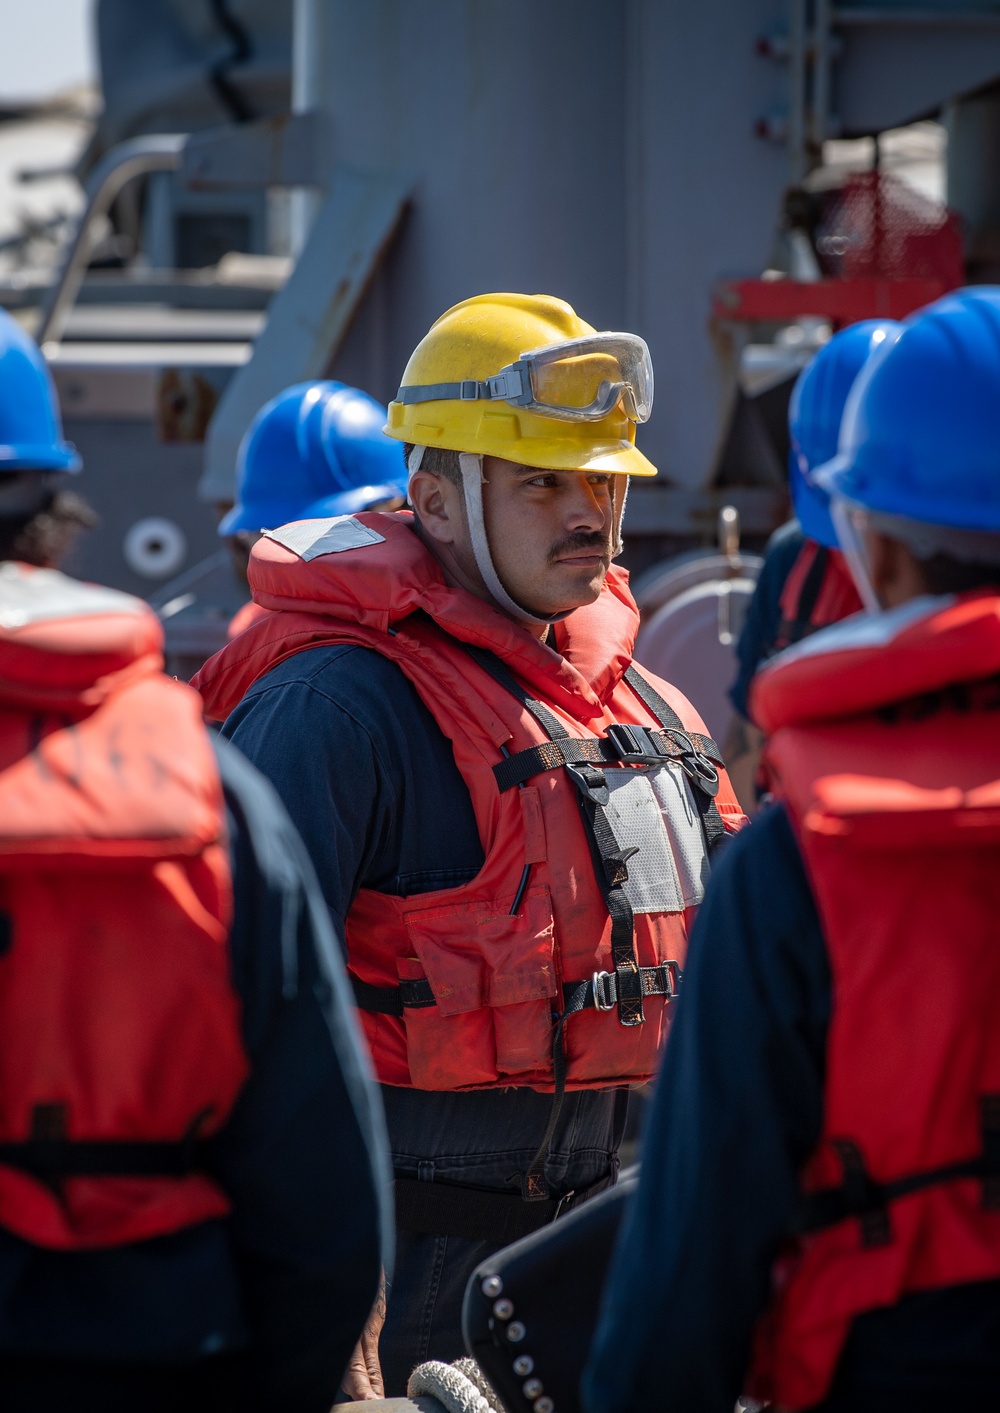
x=119, y=912
x=804, y=583
x=818, y=1218
x=315, y=450
x=39, y=516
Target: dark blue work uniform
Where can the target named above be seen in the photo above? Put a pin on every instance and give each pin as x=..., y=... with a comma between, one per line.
x=760, y=627
x=261, y=1310
x=738, y=1109
x=371, y=783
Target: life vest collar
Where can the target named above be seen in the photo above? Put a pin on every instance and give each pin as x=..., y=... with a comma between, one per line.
x=871, y=661
x=380, y=578
x=66, y=644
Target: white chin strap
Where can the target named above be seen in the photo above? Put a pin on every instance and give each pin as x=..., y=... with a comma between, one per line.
x=472, y=486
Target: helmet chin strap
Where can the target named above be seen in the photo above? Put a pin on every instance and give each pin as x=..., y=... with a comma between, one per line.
x=472, y=487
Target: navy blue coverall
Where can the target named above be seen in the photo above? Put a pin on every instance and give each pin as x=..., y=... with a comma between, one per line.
x=738, y=1109
x=260, y=1311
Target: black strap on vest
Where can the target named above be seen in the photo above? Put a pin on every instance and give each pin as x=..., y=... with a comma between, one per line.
x=54, y=1160
x=860, y=1197
x=704, y=799
x=793, y=630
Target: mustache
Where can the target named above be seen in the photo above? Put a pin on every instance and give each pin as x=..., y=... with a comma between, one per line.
x=581, y=540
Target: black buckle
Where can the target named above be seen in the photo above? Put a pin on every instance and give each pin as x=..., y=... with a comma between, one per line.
x=636, y=745
x=605, y=991
x=590, y=782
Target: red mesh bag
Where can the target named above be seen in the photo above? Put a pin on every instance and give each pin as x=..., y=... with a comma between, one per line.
x=877, y=226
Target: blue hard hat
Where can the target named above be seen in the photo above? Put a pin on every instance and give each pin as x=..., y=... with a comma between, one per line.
x=315, y=450
x=30, y=429
x=814, y=415
x=921, y=431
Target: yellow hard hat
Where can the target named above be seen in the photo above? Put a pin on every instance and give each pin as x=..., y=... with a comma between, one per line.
x=523, y=377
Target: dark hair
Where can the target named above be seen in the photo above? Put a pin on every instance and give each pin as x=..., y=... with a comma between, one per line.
x=944, y=574
x=45, y=535
x=438, y=461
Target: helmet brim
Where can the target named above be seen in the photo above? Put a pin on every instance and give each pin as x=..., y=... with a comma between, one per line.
x=43, y=457
x=249, y=520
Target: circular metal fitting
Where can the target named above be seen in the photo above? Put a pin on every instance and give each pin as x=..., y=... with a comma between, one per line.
x=503, y=1309
x=155, y=547
x=516, y=1331
x=533, y=1388
x=491, y=1287
x=545, y=1405
x=523, y=1365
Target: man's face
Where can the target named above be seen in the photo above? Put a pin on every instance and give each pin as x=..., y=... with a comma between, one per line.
x=549, y=533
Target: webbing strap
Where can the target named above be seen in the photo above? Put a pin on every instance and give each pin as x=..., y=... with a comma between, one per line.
x=52, y=1160
x=793, y=630
x=861, y=1197
x=711, y=819
x=623, y=745
x=502, y=675
x=601, y=990
x=392, y=1000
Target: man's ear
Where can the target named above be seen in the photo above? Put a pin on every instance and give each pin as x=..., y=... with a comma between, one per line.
x=437, y=504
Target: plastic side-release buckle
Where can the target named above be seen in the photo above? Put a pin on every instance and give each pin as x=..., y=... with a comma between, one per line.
x=636, y=745
x=591, y=782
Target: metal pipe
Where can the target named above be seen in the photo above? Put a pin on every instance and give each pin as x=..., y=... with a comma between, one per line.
x=157, y=152
x=310, y=23
x=796, y=91
x=821, y=73
x=915, y=19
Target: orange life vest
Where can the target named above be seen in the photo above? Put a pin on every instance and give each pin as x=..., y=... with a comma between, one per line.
x=460, y=988
x=120, y=1042
x=885, y=749
x=819, y=591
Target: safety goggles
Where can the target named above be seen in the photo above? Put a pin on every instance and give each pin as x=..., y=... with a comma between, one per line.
x=851, y=522
x=580, y=380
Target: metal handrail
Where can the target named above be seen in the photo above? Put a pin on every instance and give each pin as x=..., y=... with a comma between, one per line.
x=156, y=152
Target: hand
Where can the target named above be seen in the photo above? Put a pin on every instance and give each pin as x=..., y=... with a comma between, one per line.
x=363, y=1377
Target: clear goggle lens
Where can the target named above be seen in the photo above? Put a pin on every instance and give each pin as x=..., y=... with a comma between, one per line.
x=850, y=522
x=587, y=378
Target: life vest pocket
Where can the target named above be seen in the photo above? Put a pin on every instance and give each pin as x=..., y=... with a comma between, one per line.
x=493, y=977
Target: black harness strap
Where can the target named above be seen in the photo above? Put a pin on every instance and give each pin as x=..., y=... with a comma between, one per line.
x=698, y=755
x=862, y=1198
x=392, y=1000
x=710, y=818
x=53, y=1160
x=793, y=630
x=611, y=877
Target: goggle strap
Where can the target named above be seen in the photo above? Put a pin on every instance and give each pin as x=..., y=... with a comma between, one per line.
x=506, y=384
